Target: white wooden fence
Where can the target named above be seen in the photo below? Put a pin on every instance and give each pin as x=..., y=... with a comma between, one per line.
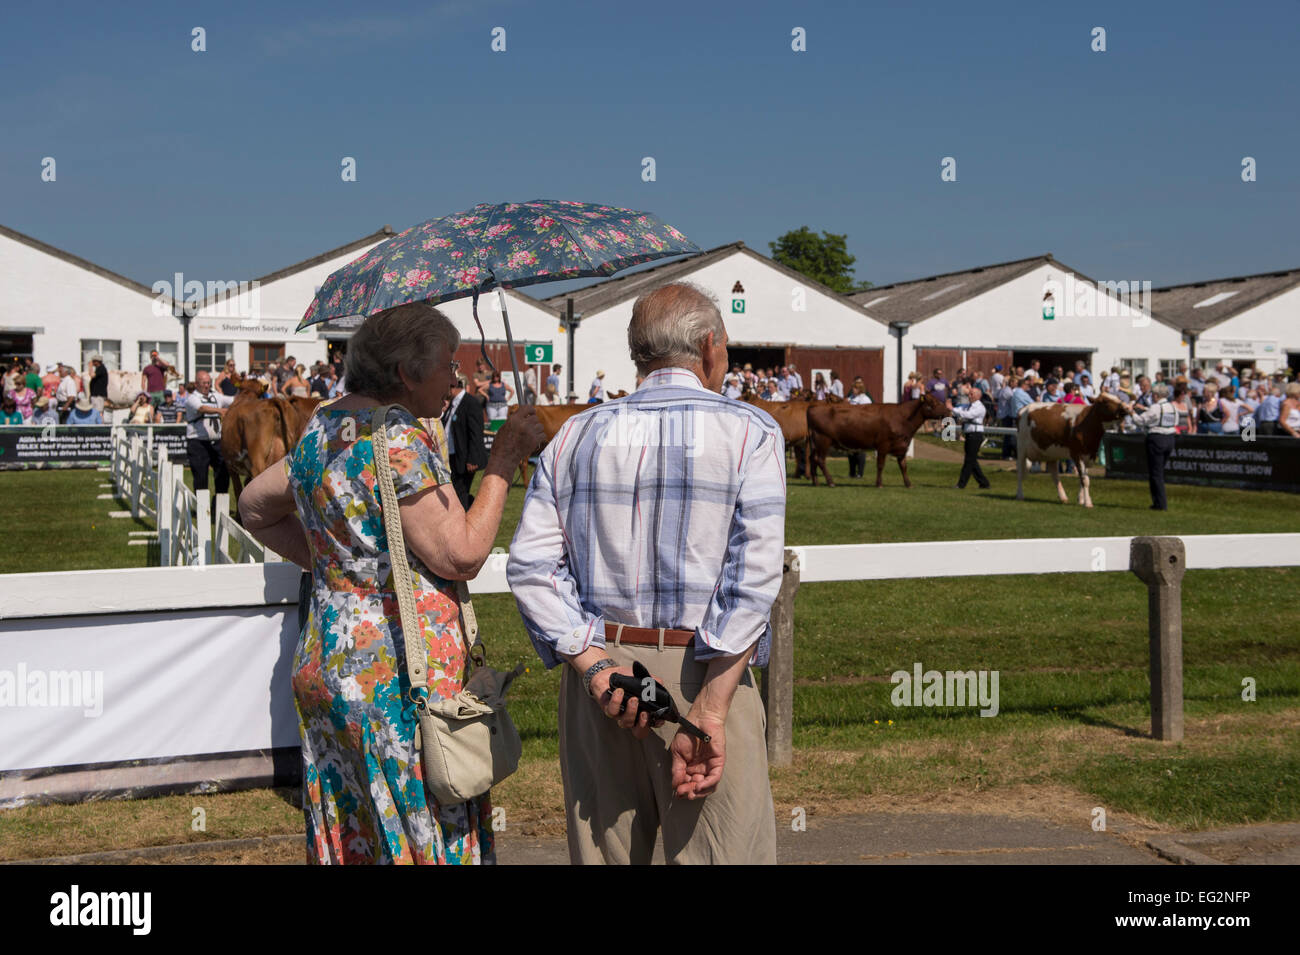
x=154, y=488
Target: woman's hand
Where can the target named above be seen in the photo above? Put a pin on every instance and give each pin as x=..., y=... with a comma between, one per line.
x=519, y=437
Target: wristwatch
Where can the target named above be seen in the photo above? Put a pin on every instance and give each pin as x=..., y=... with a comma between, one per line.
x=592, y=670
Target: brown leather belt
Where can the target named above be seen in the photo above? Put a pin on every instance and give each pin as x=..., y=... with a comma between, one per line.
x=647, y=637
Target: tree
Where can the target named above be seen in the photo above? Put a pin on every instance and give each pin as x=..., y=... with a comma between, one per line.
x=824, y=259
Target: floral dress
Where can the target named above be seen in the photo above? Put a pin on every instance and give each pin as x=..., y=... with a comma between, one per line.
x=363, y=790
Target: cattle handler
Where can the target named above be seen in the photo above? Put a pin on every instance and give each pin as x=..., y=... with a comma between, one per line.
x=972, y=425
x=1161, y=421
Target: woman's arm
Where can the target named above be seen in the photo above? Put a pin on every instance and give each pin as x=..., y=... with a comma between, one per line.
x=268, y=512
x=453, y=542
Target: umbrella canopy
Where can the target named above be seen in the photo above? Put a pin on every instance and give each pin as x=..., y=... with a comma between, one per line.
x=495, y=246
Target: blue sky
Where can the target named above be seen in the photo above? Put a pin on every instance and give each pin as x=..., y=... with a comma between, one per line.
x=225, y=164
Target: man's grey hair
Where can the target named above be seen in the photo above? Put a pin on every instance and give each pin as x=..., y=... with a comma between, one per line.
x=1161, y=390
x=669, y=326
x=409, y=337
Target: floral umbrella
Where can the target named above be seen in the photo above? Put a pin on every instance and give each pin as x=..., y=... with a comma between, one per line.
x=495, y=246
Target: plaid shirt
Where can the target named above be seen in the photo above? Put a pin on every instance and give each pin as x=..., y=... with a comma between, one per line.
x=662, y=509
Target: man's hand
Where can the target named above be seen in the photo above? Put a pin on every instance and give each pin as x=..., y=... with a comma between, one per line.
x=697, y=766
x=611, y=701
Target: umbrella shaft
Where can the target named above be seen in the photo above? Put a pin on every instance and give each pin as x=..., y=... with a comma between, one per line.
x=510, y=344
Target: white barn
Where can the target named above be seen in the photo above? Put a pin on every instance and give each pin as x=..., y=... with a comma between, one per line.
x=58, y=307
x=1248, y=321
x=254, y=327
x=774, y=316
x=1014, y=312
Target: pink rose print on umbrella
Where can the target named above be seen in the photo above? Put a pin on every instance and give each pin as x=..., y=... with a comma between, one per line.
x=335, y=298
x=541, y=223
x=619, y=236
x=468, y=276
x=458, y=254
x=521, y=258
x=497, y=230
x=417, y=277
x=390, y=276
x=675, y=234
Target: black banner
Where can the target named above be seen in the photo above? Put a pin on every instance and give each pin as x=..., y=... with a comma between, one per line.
x=77, y=446
x=1267, y=463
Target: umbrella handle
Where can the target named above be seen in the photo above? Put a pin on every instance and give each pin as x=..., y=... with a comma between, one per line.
x=510, y=343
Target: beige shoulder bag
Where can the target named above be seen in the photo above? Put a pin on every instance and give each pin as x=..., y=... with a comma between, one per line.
x=467, y=742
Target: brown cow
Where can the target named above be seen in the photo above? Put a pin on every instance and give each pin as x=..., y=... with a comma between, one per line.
x=1048, y=431
x=255, y=433
x=552, y=418
x=884, y=428
x=792, y=416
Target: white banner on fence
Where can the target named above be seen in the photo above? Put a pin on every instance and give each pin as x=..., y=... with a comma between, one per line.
x=76, y=690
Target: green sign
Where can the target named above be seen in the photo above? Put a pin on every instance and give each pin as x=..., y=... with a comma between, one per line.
x=538, y=354
x=1049, y=313
x=737, y=306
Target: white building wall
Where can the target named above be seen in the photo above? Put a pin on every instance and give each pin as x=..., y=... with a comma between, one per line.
x=770, y=318
x=1264, y=333
x=1011, y=316
x=70, y=303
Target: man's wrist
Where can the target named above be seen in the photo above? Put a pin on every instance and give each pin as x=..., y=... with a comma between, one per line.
x=590, y=674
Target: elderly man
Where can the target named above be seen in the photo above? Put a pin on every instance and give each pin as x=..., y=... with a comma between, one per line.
x=971, y=416
x=672, y=560
x=1161, y=423
x=203, y=411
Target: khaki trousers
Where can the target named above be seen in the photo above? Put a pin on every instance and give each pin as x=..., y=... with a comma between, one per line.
x=618, y=790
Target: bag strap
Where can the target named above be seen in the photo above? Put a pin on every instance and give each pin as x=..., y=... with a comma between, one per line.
x=402, y=582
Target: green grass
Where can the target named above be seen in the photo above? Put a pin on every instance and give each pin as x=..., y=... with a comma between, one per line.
x=1071, y=649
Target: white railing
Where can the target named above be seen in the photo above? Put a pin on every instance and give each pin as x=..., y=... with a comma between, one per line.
x=154, y=487
x=227, y=598
x=229, y=531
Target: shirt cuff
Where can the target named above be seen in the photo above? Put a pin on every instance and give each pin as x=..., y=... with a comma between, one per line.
x=591, y=634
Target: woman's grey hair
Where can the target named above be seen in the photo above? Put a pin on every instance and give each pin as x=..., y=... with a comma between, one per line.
x=670, y=324
x=408, y=336
x=1161, y=390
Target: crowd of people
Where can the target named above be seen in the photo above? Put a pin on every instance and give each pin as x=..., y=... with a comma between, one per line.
x=781, y=383
x=1223, y=401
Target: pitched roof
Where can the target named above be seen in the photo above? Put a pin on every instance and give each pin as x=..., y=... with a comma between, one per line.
x=364, y=242
x=916, y=300
x=368, y=240
x=1198, y=306
x=78, y=261
x=602, y=295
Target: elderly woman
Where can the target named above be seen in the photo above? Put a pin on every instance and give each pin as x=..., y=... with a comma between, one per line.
x=363, y=794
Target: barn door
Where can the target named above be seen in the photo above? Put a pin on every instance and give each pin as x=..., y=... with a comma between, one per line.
x=983, y=359
x=948, y=360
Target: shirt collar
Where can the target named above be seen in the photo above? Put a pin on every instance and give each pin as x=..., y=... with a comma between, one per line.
x=677, y=377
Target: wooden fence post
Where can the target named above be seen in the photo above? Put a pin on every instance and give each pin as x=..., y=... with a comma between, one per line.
x=778, y=678
x=1159, y=562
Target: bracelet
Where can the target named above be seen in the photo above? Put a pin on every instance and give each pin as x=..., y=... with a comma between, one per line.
x=592, y=670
